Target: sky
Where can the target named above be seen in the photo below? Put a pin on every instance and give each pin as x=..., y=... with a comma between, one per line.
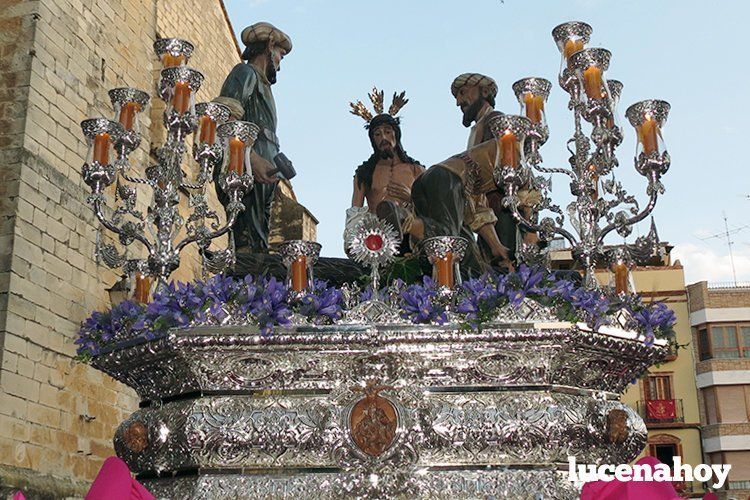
x=683, y=51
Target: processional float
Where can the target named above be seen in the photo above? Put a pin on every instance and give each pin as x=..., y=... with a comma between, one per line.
x=374, y=405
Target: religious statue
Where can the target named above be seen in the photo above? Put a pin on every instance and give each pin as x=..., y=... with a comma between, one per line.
x=384, y=180
x=475, y=95
x=250, y=84
x=450, y=200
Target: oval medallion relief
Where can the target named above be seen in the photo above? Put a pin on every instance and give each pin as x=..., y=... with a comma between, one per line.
x=373, y=423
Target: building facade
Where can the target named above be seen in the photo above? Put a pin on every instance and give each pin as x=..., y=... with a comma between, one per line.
x=720, y=321
x=666, y=397
x=58, y=59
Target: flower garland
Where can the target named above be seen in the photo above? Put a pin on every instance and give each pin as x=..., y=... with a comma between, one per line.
x=265, y=302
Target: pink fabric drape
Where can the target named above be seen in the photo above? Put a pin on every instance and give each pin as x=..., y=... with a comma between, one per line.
x=114, y=482
x=630, y=490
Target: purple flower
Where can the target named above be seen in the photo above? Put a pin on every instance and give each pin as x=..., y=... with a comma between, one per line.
x=523, y=283
x=528, y=278
x=481, y=297
x=655, y=319
x=418, y=303
x=562, y=289
x=324, y=304
x=367, y=294
x=105, y=328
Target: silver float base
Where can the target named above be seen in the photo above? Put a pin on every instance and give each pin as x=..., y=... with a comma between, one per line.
x=378, y=411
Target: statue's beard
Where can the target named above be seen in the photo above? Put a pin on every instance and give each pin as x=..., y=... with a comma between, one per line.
x=471, y=112
x=385, y=150
x=385, y=154
x=271, y=70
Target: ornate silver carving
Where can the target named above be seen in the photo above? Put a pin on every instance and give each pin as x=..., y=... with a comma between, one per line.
x=292, y=249
x=181, y=74
x=123, y=95
x=214, y=110
x=654, y=108
x=507, y=403
x=439, y=246
x=591, y=157
x=93, y=126
x=537, y=86
x=615, y=89
x=515, y=124
x=462, y=427
x=585, y=58
x=239, y=358
x=173, y=46
x=521, y=484
x=244, y=131
x=575, y=29
x=372, y=242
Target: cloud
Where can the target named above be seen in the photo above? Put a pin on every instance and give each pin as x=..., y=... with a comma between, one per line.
x=703, y=263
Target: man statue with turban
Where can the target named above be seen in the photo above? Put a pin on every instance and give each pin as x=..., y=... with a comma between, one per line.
x=250, y=85
x=475, y=94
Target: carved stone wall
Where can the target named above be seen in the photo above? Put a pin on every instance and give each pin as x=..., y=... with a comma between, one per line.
x=59, y=58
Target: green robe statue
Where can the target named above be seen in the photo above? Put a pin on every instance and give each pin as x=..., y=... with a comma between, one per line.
x=248, y=86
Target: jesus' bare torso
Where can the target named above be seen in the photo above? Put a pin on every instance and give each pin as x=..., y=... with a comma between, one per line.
x=391, y=181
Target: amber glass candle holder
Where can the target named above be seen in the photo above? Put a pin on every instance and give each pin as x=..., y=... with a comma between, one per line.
x=210, y=116
x=570, y=38
x=445, y=253
x=619, y=268
x=299, y=257
x=589, y=67
x=237, y=139
x=142, y=285
x=173, y=52
x=532, y=94
x=101, y=135
x=648, y=119
x=128, y=104
x=178, y=87
x=511, y=132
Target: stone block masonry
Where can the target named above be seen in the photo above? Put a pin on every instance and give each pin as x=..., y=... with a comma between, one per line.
x=58, y=59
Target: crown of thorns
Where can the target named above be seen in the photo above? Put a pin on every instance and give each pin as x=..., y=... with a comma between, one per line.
x=376, y=97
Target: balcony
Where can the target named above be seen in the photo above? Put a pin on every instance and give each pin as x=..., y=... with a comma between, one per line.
x=661, y=411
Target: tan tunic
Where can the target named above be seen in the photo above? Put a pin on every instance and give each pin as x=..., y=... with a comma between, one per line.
x=475, y=169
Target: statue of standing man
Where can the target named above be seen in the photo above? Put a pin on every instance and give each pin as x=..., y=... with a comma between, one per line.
x=250, y=85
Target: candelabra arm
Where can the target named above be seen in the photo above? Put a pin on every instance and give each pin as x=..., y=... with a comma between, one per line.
x=97, y=205
x=136, y=180
x=553, y=170
x=654, y=194
x=232, y=217
x=543, y=228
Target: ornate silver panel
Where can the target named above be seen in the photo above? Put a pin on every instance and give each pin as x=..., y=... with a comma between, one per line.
x=237, y=358
x=378, y=411
x=463, y=428
x=518, y=484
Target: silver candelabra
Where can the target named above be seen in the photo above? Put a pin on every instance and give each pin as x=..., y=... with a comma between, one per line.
x=218, y=143
x=593, y=99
